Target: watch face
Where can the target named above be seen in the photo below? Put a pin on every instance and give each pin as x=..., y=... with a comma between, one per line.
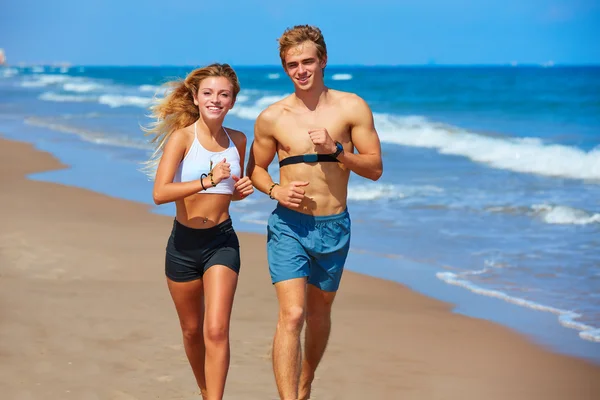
x=339, y=147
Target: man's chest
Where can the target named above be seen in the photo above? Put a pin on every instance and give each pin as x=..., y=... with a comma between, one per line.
x=293, y=132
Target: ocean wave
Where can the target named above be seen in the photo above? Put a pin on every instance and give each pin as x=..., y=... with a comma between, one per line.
x=551, y=214
x=527, y=155
x=341, y=77
x=253, y=111
x=110, y=100
x=61, y=98
x=273, y=76
x=44, y=80
x=82, y=87
x=148, y=88
x=378, y=191
x=566, y=318
x=88, y=135
x=8, y=72
x=564, y=215
x=115, y=101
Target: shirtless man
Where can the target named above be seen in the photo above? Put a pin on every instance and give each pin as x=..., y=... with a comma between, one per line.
x=314, y=133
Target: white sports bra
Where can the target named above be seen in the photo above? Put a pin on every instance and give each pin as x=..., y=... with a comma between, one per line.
x=200, y=161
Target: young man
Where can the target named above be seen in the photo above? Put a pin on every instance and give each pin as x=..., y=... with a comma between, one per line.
x=314, y=133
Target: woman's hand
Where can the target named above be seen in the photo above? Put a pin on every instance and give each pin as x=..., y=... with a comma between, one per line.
x=221, y=171
x=243, y=187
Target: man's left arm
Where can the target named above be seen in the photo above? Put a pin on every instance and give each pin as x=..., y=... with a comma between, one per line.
x=367, y=162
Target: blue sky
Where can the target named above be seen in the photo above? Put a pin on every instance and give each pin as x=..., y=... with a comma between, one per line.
x=390, y=32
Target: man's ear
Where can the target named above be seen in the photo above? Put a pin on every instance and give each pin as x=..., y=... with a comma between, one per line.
x=323, y=62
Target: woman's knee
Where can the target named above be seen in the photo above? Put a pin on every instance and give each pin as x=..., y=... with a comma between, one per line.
x=216, y=332
x=192, y=332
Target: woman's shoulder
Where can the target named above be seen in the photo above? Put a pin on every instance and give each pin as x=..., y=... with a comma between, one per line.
x=182, y=135
x=236, y=136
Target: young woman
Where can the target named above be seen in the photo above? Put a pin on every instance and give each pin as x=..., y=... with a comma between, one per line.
x=200, y=166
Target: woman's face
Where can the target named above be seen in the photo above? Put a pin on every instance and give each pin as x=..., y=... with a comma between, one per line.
x=214, y=98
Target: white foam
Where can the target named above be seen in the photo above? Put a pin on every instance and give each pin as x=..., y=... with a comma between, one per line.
x=8, y=72
x=273, y=76
x=377, y=191
x=61, y=98
x=148, y=88
x=115, y=101
x=341, y=77
x=89, y=135
x=564, y=215
x=241, y=98
x=528, y=155
x=45, y=80
x=374, y=192
x=82, y=87
x=253, y=111
x=257, y=218
x=565, y=317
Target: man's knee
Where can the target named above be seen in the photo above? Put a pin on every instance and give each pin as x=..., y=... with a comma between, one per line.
x=291, y=318
x=317, y=318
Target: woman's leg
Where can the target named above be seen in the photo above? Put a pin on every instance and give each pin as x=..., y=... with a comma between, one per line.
x=220, y=283
x=188, y=299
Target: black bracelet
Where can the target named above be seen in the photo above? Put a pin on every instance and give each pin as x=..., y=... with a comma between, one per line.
x=202, y=183
x=271, y=190
x=210, y=175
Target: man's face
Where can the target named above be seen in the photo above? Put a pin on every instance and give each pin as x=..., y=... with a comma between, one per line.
x=303, y=66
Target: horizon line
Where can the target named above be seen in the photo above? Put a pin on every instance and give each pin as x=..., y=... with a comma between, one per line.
x=548, y=64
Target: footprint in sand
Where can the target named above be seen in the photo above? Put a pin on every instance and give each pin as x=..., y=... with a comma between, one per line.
x=164, y=378
x=118, y=395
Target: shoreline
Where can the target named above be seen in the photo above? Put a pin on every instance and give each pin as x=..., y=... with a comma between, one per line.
x=89, y=164
x=86, y=312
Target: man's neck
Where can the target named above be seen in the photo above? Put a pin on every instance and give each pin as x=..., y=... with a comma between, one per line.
x=311, y=98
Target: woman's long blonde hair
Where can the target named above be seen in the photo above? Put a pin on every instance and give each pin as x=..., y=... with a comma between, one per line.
x=177, y=109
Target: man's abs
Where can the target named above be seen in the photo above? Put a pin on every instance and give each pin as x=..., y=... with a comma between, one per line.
x=327, y=189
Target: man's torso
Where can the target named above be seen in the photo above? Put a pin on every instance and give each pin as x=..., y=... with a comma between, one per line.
x=328, y=181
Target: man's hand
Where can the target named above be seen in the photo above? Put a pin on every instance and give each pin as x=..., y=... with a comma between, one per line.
x=290, y=195
x=243, y=186
x=324, y=144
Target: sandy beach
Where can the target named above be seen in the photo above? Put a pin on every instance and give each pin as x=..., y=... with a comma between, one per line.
x=85, y=314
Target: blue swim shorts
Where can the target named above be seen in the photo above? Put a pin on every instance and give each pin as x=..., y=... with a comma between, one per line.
x=300, y=245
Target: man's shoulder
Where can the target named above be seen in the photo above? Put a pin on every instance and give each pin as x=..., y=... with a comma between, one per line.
x=350, y=105
x=346, y=98
x=273, y=112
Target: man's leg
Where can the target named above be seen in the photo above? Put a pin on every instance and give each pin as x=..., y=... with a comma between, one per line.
x=318, y=327
x=291, y=295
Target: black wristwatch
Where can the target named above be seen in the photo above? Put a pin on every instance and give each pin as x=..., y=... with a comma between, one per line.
x=338, y=150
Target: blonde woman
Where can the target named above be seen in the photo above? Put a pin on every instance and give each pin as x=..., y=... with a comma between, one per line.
x=199, y=167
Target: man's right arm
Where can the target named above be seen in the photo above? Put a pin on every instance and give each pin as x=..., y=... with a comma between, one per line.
x=262, y=152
